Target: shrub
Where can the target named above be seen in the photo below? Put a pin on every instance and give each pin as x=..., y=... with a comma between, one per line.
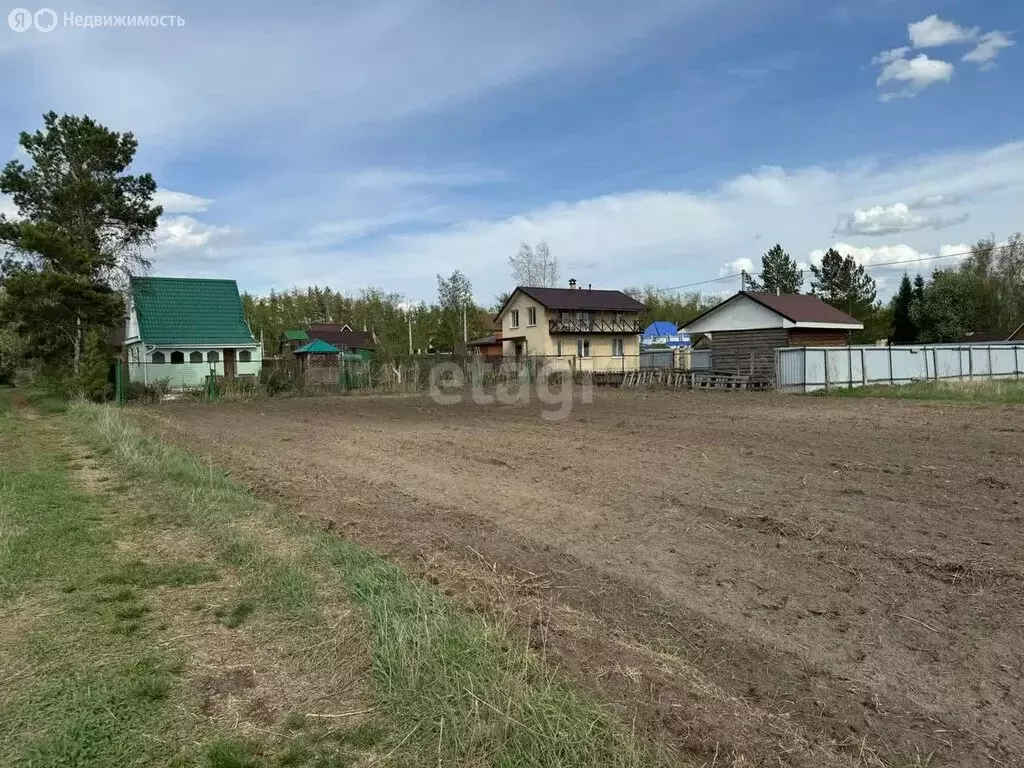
x=93, y=380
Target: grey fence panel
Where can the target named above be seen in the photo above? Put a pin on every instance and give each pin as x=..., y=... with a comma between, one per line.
x=806, y=369
x=700, y=359
x=658, y=358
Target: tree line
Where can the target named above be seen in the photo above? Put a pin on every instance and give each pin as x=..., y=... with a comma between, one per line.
x=984, y=292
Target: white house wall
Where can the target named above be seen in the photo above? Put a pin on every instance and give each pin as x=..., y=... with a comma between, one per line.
x=740, y=314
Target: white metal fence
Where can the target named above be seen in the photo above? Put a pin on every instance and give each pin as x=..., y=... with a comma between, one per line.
x=806, y=369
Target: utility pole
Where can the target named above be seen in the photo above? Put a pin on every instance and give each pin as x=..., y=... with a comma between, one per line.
x=409, y=317
x=465, y=335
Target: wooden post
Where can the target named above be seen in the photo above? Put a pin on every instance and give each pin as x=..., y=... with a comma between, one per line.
x=970, y=364
x=863, y=369
x=991, y=373
x=891, y=380
x=935, y=362
x=960, y=361
x=1016, y=363
x=824, y=353
x=849, y=349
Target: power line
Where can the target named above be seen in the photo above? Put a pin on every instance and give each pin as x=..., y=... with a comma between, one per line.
x=866, y=267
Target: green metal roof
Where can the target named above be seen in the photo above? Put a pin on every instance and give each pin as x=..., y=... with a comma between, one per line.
x=317, y=346
x=296, y=335
x=185, y=310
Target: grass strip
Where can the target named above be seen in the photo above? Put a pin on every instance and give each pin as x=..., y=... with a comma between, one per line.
x=996, y=391
x=449, y=688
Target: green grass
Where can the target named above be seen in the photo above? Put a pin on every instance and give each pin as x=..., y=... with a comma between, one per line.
x=105, y=687
x=997, y=391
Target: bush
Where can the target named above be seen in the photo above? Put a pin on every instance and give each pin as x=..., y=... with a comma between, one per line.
x=93, y=380
x=137, y=392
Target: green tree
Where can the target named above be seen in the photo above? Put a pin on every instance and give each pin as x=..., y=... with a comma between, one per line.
x=92, y=380
x=952, y=305
x=83, y=226
x=904, y=331
x=779, y=273
x=844, y=284
x=12, y=350
x=455, y=305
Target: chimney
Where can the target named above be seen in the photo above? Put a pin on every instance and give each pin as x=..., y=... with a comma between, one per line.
x=572, y=284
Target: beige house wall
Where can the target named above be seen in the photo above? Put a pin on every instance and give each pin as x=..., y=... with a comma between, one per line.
x=536, y=339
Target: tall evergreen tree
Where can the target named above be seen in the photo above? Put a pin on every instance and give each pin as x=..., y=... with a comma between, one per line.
x=844, y=284
x=83, y=226
x=904, y=331
x=779, y=273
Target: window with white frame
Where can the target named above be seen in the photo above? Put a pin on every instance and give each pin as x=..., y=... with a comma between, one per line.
x=195, y=357
x=158, y=358
x=213, y=356
x=582, y=347
x=514, y=318
x=177, y=357
x=245, y=356
x=531, y=316
x=618, y=349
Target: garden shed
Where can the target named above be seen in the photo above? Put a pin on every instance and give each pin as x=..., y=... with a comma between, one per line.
x=748, y=327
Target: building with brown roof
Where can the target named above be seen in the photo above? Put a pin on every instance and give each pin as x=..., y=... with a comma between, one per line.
x=594, y=329
x=747, y=328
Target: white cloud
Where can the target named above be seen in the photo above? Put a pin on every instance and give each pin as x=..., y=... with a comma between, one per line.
x=890, y=219
x=988, y=49
x=737, y=266
x=896, y=257
x=186, y=233
x=887, y=57
x=934, y=32
x=917, y=73
x=181, y=202
x=661, y=237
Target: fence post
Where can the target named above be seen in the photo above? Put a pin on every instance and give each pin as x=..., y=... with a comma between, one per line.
x=824, y=354
x=863, y=369
x=891, y=379
x=935, y=362
x=849, y=350
x=991, y=375
x=970, y=364
x=1016, y=364
x=960, y=361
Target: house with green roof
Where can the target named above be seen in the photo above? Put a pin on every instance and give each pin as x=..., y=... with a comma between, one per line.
x=182, y=330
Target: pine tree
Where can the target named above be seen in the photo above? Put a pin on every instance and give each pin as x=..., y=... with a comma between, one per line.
x=844, y=284
x=92, y=381
x=904, y=331
x=779, y=273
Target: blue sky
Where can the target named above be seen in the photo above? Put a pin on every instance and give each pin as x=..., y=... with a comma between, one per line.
x=664, y=142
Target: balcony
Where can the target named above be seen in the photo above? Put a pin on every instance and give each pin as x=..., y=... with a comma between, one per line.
x=590, y=325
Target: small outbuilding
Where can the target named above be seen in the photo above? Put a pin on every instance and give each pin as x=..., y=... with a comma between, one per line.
x=747, y=328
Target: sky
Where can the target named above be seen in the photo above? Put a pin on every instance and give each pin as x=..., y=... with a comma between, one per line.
x=665, y=142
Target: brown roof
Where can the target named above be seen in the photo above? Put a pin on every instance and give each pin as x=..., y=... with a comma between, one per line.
x=341, y=336
x=579, y=298
x=801, y=308
x=796, y=307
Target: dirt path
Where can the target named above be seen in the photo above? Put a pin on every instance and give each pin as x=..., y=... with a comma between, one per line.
x=780, y=581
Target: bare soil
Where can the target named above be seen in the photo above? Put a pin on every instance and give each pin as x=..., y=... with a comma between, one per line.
x=758, y=579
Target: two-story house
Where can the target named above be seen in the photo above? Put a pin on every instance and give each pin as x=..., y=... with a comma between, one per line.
x=599, y=329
